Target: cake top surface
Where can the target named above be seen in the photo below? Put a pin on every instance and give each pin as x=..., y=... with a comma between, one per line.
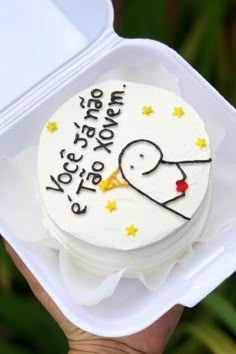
x=123, y=165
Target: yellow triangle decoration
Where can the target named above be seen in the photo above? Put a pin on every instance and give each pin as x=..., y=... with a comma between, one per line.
x=113, y=181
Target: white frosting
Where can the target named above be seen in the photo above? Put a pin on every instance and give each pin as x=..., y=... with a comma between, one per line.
x=103, y=261
x=137, y=204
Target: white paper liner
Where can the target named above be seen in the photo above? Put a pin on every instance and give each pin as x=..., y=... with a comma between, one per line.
x=88, y=289
x=19, y=198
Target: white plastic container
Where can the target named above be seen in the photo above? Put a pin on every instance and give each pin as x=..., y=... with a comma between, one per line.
x=50, y=50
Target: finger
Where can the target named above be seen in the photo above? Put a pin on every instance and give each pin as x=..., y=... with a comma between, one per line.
x=168, y=322
x=154, y=338
x=39, y=291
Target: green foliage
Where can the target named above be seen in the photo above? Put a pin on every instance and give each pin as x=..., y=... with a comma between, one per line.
x=210, y=326
x=223, y=310
x=212, y=336
x=203, y=32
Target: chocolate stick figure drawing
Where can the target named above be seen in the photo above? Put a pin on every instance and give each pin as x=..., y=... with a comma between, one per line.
x=135, y=164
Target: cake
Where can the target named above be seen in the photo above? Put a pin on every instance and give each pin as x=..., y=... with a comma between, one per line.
x=124, y=173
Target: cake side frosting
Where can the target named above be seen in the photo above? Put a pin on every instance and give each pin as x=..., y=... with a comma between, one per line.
x=123, y=165
x=104, y=261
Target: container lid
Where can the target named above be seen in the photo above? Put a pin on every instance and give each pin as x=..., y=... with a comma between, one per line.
x=38, y=37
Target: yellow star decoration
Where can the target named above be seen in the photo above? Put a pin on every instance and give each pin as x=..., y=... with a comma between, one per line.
x=201, y=142
x=178, y=111
x=148, y=110
x=51, y=126
x=131, y=230
x=111, y=205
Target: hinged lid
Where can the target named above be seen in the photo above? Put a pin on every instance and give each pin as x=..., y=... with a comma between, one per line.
x=39, y=37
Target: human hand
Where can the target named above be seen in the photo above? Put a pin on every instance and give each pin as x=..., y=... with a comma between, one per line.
x=152, y=340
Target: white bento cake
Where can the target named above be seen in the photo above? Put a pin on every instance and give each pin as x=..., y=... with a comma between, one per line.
x=124, y=174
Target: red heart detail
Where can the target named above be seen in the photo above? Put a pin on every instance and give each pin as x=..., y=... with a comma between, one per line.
x=181, y=186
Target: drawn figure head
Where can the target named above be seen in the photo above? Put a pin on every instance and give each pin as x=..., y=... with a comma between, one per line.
x=139, y=157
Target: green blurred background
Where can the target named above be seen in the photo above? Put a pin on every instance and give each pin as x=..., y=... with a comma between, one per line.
x=204, y=33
